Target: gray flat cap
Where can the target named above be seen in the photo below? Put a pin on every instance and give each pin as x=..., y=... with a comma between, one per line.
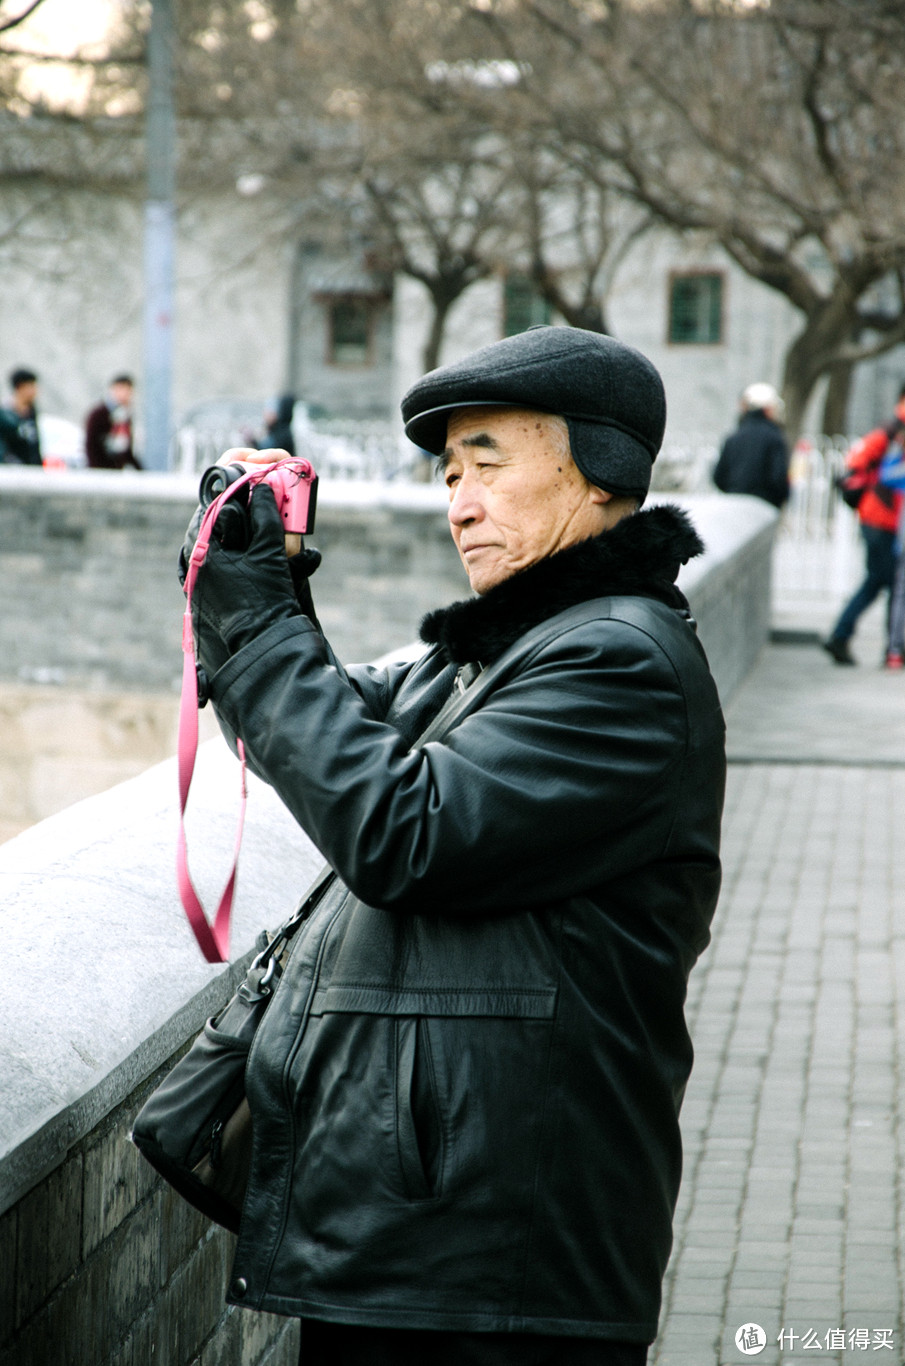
x=609, y=394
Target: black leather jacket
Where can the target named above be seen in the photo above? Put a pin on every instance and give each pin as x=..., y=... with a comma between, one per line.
x=466, y=1089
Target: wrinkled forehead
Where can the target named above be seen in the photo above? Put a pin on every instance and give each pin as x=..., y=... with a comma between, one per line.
x=491, y=424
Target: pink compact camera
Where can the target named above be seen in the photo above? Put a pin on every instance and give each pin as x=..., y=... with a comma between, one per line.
x=293, y=481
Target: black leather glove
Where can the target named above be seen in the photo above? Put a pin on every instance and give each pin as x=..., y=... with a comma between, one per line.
x=238, y=594
x=231, y=530
x=301, y=567
x=188, y=545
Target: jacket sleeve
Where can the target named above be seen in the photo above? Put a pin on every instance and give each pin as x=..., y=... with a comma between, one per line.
x=721, y=472
x=534, y=796
x=96, y=427
x=778, y=466
x=867, y=450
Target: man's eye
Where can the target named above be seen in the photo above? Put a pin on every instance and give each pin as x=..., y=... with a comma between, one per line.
x=451, y=479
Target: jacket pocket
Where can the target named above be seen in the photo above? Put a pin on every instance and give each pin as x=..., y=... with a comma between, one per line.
x=419, y=1130
x=436, y=1079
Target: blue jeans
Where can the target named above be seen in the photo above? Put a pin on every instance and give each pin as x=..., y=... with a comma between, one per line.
x=880, y=547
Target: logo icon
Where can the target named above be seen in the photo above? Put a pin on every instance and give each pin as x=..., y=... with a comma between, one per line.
x=751, y=1339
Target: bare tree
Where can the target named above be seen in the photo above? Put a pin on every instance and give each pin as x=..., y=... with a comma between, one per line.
x=441, y=227
x=771, y=129
x=15, y=20
x=478, y=135
x=571, y=232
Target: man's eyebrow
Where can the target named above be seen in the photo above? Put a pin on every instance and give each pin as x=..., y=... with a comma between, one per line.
x=479, y=439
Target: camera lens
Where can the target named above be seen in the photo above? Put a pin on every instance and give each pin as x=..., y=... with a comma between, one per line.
x=215, y=480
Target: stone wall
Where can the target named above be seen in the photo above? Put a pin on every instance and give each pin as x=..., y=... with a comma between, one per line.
x=91, y=598
x=102, y=1264
x=92, y=601
x=91, y=627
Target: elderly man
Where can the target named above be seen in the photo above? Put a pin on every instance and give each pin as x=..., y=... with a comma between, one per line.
x=466, y=1090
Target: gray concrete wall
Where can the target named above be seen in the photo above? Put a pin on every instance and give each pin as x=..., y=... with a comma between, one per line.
x=90, y=629
x=729, y=587
x=91, y=598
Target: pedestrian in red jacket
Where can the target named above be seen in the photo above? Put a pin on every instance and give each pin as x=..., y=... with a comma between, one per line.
x=879, y=511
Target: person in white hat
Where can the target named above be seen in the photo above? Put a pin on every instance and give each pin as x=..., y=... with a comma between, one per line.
x=755, y=458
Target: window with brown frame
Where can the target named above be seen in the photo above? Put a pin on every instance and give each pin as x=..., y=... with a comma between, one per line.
x=523, y=305
x=350, y=337
x=696, y=309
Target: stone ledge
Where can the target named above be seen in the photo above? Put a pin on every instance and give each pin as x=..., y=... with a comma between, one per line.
x=104, y=979
x=142, y=485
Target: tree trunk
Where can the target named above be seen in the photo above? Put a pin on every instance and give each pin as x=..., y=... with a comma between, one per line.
x=813, y=354
x=587, y=315
x=797, y=387
x=442, y=302
x=835, y=407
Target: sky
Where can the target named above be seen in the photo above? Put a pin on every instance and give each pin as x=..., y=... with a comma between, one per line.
x=57, y=26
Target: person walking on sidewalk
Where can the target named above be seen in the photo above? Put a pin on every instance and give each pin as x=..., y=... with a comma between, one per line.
x=892, y=476
x=879, y=511
x=755, y=458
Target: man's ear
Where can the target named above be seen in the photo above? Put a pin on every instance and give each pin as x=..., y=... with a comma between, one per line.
x=599, y=497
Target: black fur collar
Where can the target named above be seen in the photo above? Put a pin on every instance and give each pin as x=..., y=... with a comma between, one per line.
x=641, y=556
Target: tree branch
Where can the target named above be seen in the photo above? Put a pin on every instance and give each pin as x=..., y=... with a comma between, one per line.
x=6, y=24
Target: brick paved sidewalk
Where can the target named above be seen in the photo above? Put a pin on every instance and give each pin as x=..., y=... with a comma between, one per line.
x=791, y=1214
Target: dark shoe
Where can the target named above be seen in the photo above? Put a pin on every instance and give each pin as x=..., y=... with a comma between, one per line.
x=839, y=650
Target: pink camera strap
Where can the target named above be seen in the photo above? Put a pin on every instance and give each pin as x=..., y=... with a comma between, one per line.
x=213, y=938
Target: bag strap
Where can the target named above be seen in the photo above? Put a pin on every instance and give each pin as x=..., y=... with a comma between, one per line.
x=212, y=937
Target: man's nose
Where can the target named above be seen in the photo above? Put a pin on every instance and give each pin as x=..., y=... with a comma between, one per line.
x=464, y=505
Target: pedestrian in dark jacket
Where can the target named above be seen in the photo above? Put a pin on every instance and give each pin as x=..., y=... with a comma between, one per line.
x=20, y=441
x=755, y=458
x=466, y=1090
x=278, y=426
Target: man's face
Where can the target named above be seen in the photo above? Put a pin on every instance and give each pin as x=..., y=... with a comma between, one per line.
x=515, y=493
x=24, y=395
x=121, y=394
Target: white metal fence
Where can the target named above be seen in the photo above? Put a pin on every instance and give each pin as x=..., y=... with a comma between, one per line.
x=337, y=449
x=818, y=557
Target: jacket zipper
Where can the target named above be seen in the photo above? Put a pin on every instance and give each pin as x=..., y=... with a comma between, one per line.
x=287, y=1067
